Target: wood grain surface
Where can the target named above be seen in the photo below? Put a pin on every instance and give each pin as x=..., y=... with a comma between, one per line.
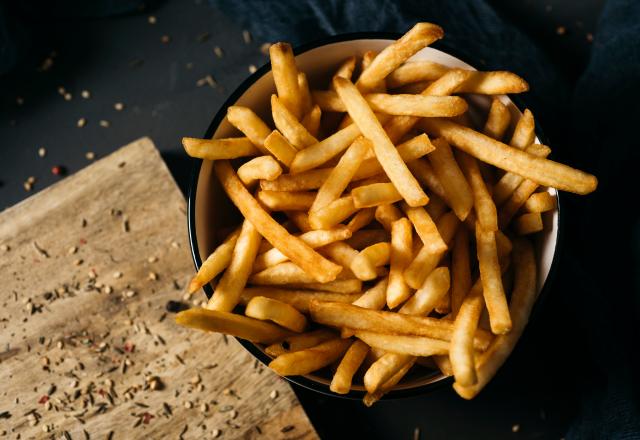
x=88, y=347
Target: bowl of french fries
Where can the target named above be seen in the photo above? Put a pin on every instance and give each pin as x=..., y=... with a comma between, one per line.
x=371, y=217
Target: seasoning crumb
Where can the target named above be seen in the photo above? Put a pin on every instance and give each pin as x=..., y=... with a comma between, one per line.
x=81, y=122
x=273, y=394
x=152, y=259
x=61, y=90
x=165, y=39
x=216, y=433
x=60, y=345
x=78, y=262
x=561, y=30
x=72, y=250
x=175, y=244
x=117, y=275
x=104, y=123
x=246, y=36
x=85, y=94
x=27, y=186
x=152, y=19
x=204, y=408
x=5, y=248
x=287, y=428
x=207, y=80
x=129, y=293
x=195, y=380
x=153, y=276
x=188, y=404
x=42, y=152
x=90, y=155
x=515, y=428
x=218, y=51
x=252, y=68
x=68, y=96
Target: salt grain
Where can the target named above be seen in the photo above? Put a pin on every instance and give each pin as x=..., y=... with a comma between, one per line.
x=90, y=155
x=273, y=394
x=72, y=250
x=265, y=48
x=117, y=275
x=103, y=123
x=152, y=19
x=218, y=51
x=252, y=68
x=42, y=152
x=188, y=404
x=246, y=36
x=515, y=428
x=85, y=94
x=81, y=122
x=68, y=96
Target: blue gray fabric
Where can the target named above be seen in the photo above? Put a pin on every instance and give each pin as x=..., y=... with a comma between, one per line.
x=592, y=124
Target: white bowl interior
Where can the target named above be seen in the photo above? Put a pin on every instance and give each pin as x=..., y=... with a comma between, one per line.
x=213, y=210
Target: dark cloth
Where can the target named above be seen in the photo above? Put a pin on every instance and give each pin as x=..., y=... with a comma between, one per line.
x=591, y=125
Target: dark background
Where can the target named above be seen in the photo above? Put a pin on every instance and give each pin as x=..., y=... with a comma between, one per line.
x=153, y=69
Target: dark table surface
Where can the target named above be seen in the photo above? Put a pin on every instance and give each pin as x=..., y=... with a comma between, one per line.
x=154, y=69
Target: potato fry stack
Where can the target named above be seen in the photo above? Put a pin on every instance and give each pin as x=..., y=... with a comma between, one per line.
x=398, y=234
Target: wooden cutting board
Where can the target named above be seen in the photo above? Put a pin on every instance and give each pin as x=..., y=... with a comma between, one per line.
x=88, y=348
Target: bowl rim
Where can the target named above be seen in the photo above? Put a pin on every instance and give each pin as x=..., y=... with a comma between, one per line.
x=303, y=381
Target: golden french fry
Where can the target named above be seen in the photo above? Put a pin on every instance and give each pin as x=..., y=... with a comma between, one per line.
x=299, y=342
x=215, y=263
x=371, y=398
x=503, y=244
x=508, y=183
x=314, y=239
x=429, y=294
x=289, y=126
x=385, y=152
x=540, y=202
x=305, y=95
x=415, y=71
x=298, y=298
x=340, y=252
x=426, y=228
x=528, y=223
x=421, y=168
x=310, y=359
x=280, y=148
x=311, y=121
x=285, y=75
x=494, y=83
x=364, y=265
x=284, y=273
x=524, y=133
x=353, y=358
x=285, y=200
x=333, y=213
x=492, y=287
x=375, y=194
x=339, y=286
x=341, y=175
x=516, y=201
x=318, y=267
x=460, y=270
x=346, y=68
x=444, y=364
x=227, y=293
x=522, y=300
x=367, y=58
x=457, y=190
x=401, y=254
x=317, y=154
x=420, y=36
x=312, y=179
x=413, y=88
x=498, y=119
x=269, y=309
x=387, y=214
x=375, y=297
x=215, y=149
x=245, y=120
x=462, y=353
x=367, y=237
x=328, y=100
x=407, y=345
x=232, y=324
x=384, y=368
x=484, y=206
x=362, y=218
x=416, y=105
x=543, y=171
x=263, y=167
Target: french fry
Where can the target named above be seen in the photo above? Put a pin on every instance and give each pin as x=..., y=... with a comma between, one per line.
x=353, y=358
x=317, y=154
x=444, y=364
x=494, y=83
x=524, y=133
x=375, y=194
x=407, y=345
x=491, y=277
x=528, y=223
x=401, y=254
x=299, y=342
x=286, y=201
x=300, y=299
x=522, y=300
x=367, y=237
x=462, y=353
x=341, y=175
x=413, y=88
x=503, y=244
x=289, y=126
x=285, y=75
x=314, y=239
x=340, y=252
x=516, y=201
x=280, y=148
x=385, y=368
x=425, y=227
x=427, y=296
x=415, y=71
x=485, y=209
x=498, y=119
x=333, y=213
x=311, y=262
x=364, y=265
x=263, y=167
x=457, y=190
x=542, y=171
x=232, y=324
x=375, y=297
x=215, y=263
x=436, y=207
x=269, y=309
x=421, y=168
x=306, y=102
x=420, y=36
x=346, y=68
x=311, y=121
x=227, y=293
x=339, y=286
x=371, y=398
x=509, y=182
x=245, y=120
x=387, y=214
x=284, y=273
x=310, y=359
x=540, y=202
x=362, y=218
x=460, y=270
x=312, y=179
x=215, y=149
x=367, y=58
x=385, y=152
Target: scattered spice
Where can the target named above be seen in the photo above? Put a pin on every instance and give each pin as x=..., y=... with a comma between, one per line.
x=125, y=224
x=252, y=68
x=153, y=276
x=207, y=80
x=118, y=106
x=39, y=250
x=81, y=122
x=5, y=248
x=218, y=51
x=152, y=259
x=273, y=394
x=152, y=19
x=188, y=404
x=204, y=408
x=117, y=275
x=246, y=36
x=90, y=155
x=68, y=96
x=216, y=433
x=78, y=262
x=58, y=170
x=72, y=250
x=104, y=123
x=42, y=152
x=287, y=428
x=85, y=94
x=175, y=306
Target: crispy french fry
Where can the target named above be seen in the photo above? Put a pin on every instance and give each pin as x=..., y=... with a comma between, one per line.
x=407, y=345
x=524, y=133
x=285, y=200
x=317, y=154
x=413, y=88
x=340, y=252
x=522, y=300
x=263, y=167
x=285, y=75
x=300, y=299
x=420, y=36
x=457, y=189
x=387, y=214
x=492, y=287
x=367, y=58
x=364, y=265
x=462, y=353
x=371, y=398
x=284, y=273
x=269, y=309
x=375, y=297
x=485, y=209
x=232, y=324
x=460, y=270
x=528, y=223
x=540, y=202
x=346, y=68
x=421, y=168
x=342, y=174
x=245, y=120
x=339, y=286
x=498, y=119
x=289, y=126
x=280, y=148
x=509, y=182
x=427, y=296
x=333, y=213
x=543, y=171
x=415, y=71
x=310, y=359
x=385, y=152
x=312, y=179
x=494, y=83
x=305, y=94
x=311, y=121
x=215, y=149
x=425, y=227
x=367, y=237
x=227, y=293
x=375, y=194
x=353, y=358
x=215, y=263
x=516, y=201
x=401, y=254
x=362, y=218
x=385, y=368
x=318, y=267
x=299, y=342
